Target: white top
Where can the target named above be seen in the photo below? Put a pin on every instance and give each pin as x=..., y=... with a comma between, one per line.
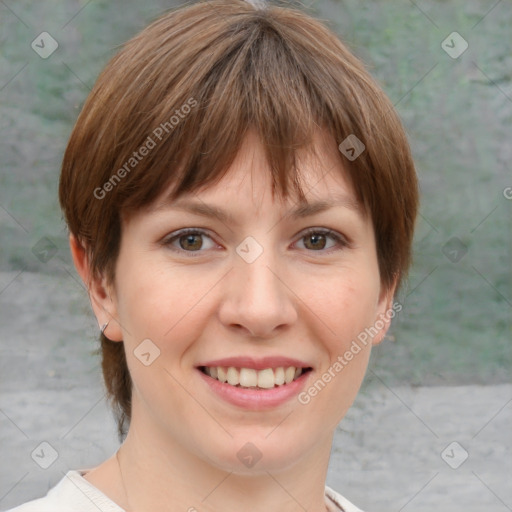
x=75, y=494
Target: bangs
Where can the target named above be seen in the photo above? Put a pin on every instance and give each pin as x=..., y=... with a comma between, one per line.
x=262, y=78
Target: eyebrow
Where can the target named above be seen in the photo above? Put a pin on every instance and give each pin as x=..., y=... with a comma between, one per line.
x=299, y=212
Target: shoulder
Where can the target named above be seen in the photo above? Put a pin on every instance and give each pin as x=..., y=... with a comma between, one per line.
x=72, y=494
x=339, y=500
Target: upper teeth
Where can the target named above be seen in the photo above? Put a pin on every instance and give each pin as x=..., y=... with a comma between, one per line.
x=248, y=377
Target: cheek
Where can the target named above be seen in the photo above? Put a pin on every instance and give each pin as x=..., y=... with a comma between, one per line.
x=162, y=303
x=163, y=306
x=346, y=303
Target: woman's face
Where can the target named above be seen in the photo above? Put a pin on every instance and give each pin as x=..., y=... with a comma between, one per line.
x=261, y=290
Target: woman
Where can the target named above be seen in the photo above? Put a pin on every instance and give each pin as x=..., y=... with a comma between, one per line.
x=241, y=200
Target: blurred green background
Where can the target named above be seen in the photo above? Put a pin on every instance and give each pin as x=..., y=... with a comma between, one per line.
x=455, y=327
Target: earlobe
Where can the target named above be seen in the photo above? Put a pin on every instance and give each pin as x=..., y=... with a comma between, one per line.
x=104, y=307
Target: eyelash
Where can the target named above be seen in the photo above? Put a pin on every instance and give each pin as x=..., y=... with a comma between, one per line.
x=340, y=240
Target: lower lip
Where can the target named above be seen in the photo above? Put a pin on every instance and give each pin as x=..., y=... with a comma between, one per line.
x=256, y=399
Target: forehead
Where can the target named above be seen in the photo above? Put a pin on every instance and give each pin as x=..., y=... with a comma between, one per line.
x=248, y=184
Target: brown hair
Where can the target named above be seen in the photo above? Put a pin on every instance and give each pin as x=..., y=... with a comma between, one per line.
x=174, y=105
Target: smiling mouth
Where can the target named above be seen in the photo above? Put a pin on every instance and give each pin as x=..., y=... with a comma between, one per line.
x=267, y=378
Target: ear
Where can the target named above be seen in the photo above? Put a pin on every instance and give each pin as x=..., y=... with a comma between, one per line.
x=101, y=295
x=386, y=311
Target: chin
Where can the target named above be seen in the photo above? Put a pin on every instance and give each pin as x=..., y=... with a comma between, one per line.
x=251, y=453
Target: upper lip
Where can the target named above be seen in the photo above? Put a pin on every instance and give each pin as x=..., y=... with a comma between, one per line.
x=257, y=364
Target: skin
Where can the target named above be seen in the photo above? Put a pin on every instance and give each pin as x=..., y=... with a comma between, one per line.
x=297, y=299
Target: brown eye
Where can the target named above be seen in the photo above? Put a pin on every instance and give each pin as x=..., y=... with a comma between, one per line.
x=189, y=240
x=318, y=239
x=315, y=241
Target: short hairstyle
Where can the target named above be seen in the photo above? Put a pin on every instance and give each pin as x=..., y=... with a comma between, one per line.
x=173, y=108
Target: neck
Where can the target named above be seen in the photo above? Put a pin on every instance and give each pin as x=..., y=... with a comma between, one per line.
x=157, y=475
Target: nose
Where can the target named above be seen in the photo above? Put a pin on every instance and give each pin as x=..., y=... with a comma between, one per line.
x=257, y=298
